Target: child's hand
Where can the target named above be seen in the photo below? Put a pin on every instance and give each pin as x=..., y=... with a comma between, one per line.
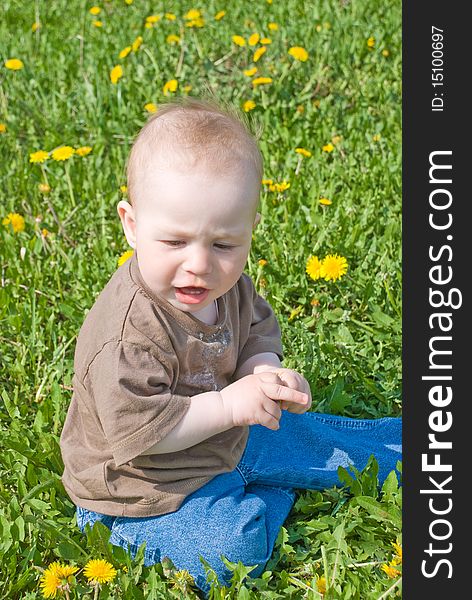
x=254, y=399
x=294, y=381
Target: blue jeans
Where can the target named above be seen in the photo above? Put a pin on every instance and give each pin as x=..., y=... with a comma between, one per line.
x=239, y=514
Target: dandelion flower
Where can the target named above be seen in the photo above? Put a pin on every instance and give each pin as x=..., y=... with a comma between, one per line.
x=298, y=53
x=170, y=86
x=192, y=14
x=239, y=40
x=253, y=39
x=261, y=81
x=303, y=152
x=333, y=267
x=124, y=53
x=129, y=2
x=62, y=153
x=262, y=262
x=258, y=53
x=328, y=147
x=220, y=15
x=35, y=26
x=3, y=127
x=137, y=43
x=44, y=188
x=321, y=584
x=123, y=189
x=95, y=10
x=150, y=107
x=376, y=137
x=50, y=581
x=97, y=23
x=391, y=571
x=398, y=553
x=266, y=40
x=336, y=139
x=249, y=105
x=267, y=182
x=14, y=64
x=187, y=88
x=38, y=157
x=371, y=42
x=250, y=72
x=313, y=267
x=124, y=257
x=99, y=571
x=273, y=26
x=385, y=53
x=83, y=150
x=153, y=19
x=170, y=16
x=279, y=187
x=172, y=39
x=116, y=73
x=325, y=201
x=16, y=221
x=44, y=232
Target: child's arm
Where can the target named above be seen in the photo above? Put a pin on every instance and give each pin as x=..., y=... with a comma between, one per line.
x=248, y=401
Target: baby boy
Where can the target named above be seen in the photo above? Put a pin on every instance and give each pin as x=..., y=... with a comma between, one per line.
x=184, y=430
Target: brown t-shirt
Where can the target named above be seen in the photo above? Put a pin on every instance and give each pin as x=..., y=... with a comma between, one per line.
x=138, y=360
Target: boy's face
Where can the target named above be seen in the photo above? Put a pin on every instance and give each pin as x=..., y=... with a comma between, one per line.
x=192, y=232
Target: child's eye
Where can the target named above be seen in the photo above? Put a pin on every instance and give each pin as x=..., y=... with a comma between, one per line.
x=223, y=247
x=173, y=243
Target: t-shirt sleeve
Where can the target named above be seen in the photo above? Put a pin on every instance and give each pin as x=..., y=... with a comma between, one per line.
x=263, y=333
x=132, y=394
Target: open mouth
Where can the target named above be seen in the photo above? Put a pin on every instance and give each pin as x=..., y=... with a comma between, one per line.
x=191, y=295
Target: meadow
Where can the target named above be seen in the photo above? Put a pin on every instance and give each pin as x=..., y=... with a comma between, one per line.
x=322, y=80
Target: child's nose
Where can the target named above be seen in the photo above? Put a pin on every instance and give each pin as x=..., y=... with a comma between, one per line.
x=198, y=261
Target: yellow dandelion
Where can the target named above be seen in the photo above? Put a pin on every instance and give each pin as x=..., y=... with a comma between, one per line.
x=129, y=2
x=124, y=257
x=170, y=16
x=333, y=267
x=315, y=302
x=220, y=15
x=137, y=43
x=97, y=23
x=124, y=53
x=148, y=25
x=172, y=39
x=376, y=137
x=153, y=19
x=328, y=147
x=281, y=187
x=303, y=152
x=62, y=153
x=391, y=571
x=99, y=571
x=336, y=139
x=371, y=42
x=35, y=26
x=200, y=22
x=16, y=221
x=95, y=10
x=170, y=86
x=313, y=267
x=38, y=157
x=44, y=188
x=14, y=64
x=192, y=14
x=266, y=40
x=253, y=39
x=321, y=584
x=239, y=40
x=187, y=88
x=258, y=53
x=50, y=581
x=150, y=107
x=298, y=53
x=249, y=105
x=116, y=73
x=123, y=189
x=318, y=28
x=385, y=53
x=398, y=553
x=261, y=81
x=3, y=127
x=273, y=26
x=250, y=72
x=267, y=182
x=44, y=232
x=325, y=201
x=83, y=150
x=262, y=262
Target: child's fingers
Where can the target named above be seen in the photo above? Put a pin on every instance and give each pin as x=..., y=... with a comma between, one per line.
x=283, y=393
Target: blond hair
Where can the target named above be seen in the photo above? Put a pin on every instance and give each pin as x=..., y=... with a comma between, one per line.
x=187, y=133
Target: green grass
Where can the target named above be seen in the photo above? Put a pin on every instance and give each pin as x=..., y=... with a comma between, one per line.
x=344, y=336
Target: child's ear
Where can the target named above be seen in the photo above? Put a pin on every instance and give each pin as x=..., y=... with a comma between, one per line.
x=128, y=221
x=256, y=221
